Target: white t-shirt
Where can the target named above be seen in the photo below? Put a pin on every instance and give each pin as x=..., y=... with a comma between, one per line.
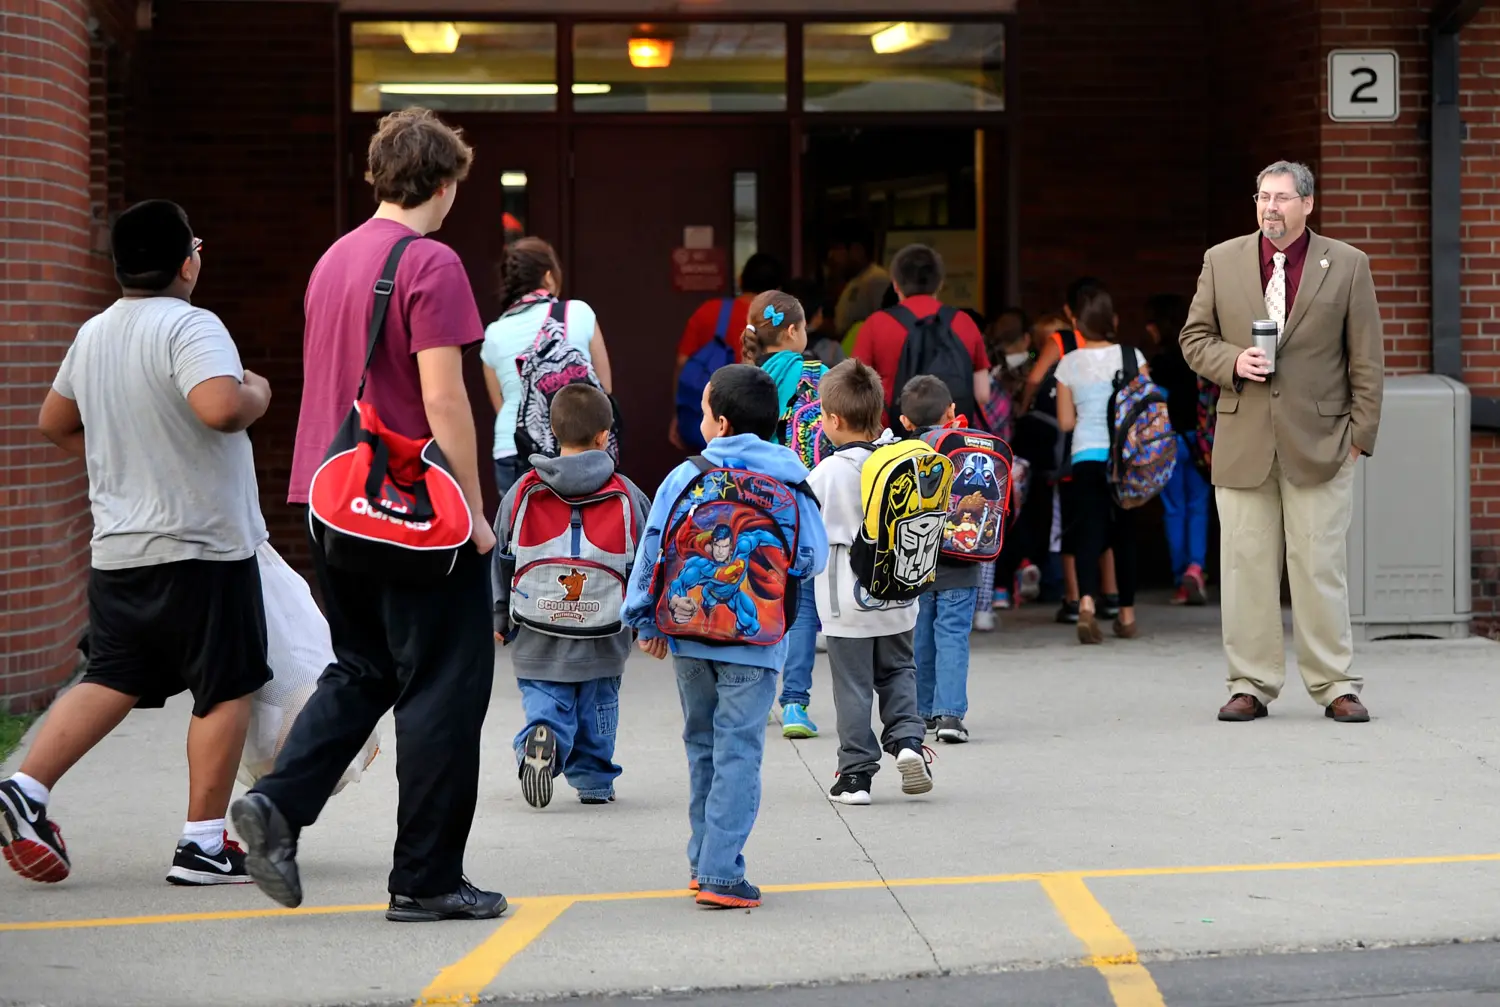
x=1090, y=376
x=163, y=487
x=510, y=336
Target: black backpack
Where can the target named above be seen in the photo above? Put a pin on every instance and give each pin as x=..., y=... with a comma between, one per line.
x=932, y=348
x=1038, y=438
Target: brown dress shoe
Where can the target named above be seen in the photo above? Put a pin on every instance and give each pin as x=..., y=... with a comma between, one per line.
x=1126, y=630
x=1347, y=710
x=1241, y=707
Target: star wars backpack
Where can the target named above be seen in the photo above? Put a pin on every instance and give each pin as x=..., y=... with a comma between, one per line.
x=572, y=557
x=905, y=488
x=730, y=538
x=979, y=503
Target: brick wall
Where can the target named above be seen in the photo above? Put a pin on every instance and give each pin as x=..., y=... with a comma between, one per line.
x=1373, y=192
x=1479, y=68
x=1112, y=148
x=51, y=279
x=248, y=150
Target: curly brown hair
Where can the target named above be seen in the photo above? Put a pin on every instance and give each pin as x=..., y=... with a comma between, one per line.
x=413, y=154
x=762, y=333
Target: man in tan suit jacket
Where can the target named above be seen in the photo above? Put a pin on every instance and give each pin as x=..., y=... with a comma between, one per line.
x=1287, y=441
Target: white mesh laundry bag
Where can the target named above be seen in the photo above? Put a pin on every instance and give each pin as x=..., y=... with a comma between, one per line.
x=298, y=648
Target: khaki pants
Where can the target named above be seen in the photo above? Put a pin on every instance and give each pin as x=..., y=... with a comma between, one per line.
x=1312, y=524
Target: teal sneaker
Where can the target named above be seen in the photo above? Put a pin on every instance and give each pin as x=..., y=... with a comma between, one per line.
x=795, y=723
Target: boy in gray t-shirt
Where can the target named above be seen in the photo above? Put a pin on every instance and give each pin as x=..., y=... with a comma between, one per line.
x=153, y=397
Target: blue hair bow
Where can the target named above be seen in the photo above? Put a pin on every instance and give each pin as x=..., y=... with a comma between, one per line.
x=775, y=317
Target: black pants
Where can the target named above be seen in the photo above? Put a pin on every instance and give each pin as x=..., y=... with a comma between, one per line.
x=429, y=653
x=1093, y=523
x=1030, y=537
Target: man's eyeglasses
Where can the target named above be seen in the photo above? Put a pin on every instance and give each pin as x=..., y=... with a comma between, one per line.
x=1280, y=198
x=197, y=244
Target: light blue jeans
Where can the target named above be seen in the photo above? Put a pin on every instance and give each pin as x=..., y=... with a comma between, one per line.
x=724, y=710
x=944, y=619
x=584, y=717
x=801, y=649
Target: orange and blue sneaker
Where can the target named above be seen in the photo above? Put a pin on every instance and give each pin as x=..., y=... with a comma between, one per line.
x=742, y=895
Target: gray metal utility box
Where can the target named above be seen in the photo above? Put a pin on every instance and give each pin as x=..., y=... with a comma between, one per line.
x=1409, y=560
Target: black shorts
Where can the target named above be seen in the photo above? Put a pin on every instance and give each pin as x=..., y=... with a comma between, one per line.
x=196, y=625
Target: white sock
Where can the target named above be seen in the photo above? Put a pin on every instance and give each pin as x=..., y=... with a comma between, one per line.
x=208, y=835
x=33, y=789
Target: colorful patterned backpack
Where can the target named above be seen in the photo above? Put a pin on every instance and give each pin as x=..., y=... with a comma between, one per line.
x=803, y=418
x=730, y=537
x=551, y=365
x=1142, y=445
x=979, y=502
x=1202, y=437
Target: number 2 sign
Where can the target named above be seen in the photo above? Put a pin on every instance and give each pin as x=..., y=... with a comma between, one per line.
x=1364, y=85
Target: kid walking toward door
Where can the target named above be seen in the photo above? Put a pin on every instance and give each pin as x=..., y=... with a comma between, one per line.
x=775, y=339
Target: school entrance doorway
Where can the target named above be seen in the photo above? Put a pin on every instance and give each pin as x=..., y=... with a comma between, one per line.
x=658, y=156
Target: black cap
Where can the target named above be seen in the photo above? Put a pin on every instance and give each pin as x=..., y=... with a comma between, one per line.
x=149, y=242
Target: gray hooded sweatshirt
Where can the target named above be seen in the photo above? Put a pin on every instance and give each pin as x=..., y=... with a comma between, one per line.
x=554, y=658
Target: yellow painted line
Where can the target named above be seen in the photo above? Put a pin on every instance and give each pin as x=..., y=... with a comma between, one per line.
x=228, y=914
x=464, y=981
x=816, y=886
x=1110, y=951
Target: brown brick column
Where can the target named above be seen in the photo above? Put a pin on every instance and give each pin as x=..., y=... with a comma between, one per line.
x=52, y=278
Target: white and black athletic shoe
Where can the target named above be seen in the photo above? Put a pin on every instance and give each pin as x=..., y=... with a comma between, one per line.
x=538, y=753
x=31, y=843
x=951, y=731
x=851, y=788
x=191, y=866
x=914, y=763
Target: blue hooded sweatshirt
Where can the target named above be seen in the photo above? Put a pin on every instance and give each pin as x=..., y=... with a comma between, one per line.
x=744, y=451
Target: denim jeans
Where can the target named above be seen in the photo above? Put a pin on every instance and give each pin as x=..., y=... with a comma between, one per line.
x=801, y=649
x=507, y=471
x=584, y=717
x=944, y=619
x=1185, y=501
x=724, y=710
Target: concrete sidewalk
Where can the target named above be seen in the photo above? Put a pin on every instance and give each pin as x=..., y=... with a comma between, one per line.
x=1088, y=817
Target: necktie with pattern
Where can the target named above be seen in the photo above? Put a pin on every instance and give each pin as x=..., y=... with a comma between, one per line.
x=1276, y=292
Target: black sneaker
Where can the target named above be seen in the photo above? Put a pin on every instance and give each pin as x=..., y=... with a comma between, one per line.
x=914, y=763
x=1068, y=613
x=31, y=843
x=851, y=788
x=538, y=753
x=931, y=724
x=951, y=730
x=191, y=866
x=271, y=848
x=1109, y=606
x=596, y=800
x=468, y=903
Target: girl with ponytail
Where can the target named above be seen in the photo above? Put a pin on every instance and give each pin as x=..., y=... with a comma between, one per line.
x=530, y=281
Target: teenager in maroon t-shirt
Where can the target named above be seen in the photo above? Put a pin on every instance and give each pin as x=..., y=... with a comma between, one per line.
x=428, y=652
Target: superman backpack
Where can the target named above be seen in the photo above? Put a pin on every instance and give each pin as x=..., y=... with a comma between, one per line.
x=979, y=503
x=1142, y=445
x=729, y=539
x=802, y=419
x=572, y=556
x=904, y=487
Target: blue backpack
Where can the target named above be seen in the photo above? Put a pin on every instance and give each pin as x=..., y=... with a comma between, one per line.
x=696, y=372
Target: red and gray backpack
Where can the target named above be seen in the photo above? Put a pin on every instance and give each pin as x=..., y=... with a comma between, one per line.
x=572, y=558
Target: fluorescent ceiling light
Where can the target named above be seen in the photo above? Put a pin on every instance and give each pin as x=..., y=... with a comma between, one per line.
x=908, y=35
x=513, y=180
x=430, y=36
x=467, y=89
